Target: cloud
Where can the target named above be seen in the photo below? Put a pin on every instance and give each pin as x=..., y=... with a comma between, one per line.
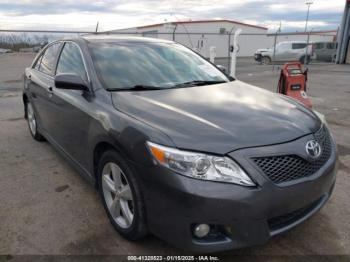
x=115, y=14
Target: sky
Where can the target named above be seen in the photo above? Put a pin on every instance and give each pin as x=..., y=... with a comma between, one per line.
x=116, y=14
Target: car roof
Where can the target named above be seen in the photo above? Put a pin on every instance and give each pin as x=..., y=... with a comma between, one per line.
x=113, y=38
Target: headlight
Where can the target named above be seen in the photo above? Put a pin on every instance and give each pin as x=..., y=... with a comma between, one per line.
x=200, y=166
x=321, y=117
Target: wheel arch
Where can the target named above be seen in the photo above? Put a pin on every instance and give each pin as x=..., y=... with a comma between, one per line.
x=266, y=56
x=25, y=100
x=99, y=149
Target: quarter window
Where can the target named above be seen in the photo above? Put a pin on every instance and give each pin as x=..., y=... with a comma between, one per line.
x=47, y=64
x=71, y=61
x=37, y=63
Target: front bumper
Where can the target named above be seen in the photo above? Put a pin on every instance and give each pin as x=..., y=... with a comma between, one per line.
x=258, y=57
x=245, y=216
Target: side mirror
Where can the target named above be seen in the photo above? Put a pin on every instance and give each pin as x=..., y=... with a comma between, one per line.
x=70, y=81
x=222, y=68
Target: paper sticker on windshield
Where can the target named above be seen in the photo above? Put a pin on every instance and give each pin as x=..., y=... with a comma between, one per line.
x=210, y=70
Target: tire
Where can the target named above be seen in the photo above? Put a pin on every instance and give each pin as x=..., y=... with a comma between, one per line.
x=122, y=200
x=333, y=59
x=265, y=60
x=302, y=60
x=32, y=123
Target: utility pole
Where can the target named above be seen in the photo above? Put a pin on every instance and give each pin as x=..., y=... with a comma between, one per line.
x=308, y=3
x=96, y=28
x=280, y=28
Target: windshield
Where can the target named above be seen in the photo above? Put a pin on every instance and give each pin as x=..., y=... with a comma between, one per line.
x=160, y=65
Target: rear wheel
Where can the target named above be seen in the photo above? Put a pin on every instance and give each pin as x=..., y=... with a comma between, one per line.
x=265, y=60
x=302, y=60
x=121, y=196
x=32, y=123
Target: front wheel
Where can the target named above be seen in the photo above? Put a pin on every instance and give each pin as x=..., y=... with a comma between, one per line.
x=32, y=123
x=265, y=60
x=121, y=196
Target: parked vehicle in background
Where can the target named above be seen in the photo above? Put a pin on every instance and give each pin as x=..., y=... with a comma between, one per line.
x=286, y=52
x=257, y=54
x=3, y=51
x=325, y=51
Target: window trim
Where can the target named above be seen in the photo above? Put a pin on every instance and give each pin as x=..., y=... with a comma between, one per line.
x=38, y=57
x=37, y=61
x=41, y=55
x=81, y=54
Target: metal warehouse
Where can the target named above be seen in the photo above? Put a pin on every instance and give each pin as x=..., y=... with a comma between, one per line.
x=203, y=34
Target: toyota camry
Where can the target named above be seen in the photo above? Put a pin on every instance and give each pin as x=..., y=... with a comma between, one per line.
x=176, y=147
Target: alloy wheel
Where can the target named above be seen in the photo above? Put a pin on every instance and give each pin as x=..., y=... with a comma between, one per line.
x=31, y=119
x=118, y=195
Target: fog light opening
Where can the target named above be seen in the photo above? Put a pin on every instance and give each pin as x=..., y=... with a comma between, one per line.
x=201, y=230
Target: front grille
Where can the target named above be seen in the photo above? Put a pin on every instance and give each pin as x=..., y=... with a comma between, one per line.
x=282, y=221
x=285, y=168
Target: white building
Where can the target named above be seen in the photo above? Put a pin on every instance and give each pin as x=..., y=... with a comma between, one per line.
x=312, y=37
x=201, y=35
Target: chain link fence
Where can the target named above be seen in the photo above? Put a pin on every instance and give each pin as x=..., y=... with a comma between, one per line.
x=276, y=48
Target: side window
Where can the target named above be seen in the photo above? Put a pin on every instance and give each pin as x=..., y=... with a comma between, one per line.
x=330, y=45
x=70, y=61
x=38, y=62
x=319, y=46
x=47, y=64
x=298, y=46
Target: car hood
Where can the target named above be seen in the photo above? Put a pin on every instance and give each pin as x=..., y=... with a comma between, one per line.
x=219, y=118
x=261, y=50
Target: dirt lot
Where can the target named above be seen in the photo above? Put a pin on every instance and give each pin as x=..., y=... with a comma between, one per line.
x=47, y=208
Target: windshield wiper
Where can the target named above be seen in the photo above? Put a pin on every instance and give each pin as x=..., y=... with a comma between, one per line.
x=136, y=88
x=199, y=83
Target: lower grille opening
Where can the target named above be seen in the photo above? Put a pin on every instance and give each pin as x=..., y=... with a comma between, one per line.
x=285, y=220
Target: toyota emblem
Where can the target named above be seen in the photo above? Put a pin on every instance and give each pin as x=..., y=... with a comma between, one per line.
x=313, y=149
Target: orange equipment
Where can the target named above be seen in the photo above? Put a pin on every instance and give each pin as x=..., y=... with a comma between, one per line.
x=292, y=83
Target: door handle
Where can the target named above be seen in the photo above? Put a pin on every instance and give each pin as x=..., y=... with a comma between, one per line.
x=50, y=89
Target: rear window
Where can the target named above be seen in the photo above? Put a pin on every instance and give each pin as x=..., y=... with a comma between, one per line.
x=298, y=45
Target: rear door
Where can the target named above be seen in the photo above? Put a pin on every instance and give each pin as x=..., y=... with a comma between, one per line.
x=297, y=51
x=330, y=51
x=282, y=52
x=41, y=81
x=320, y=51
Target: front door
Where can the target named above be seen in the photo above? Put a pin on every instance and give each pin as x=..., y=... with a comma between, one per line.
x=70, y=108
